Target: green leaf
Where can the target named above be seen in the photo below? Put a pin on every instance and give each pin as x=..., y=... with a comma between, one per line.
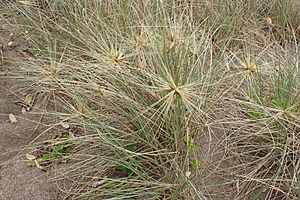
x=195, y=163
x=131, y=148
x=29, y=99
x=57, y=151
x=124, y=169
x=46, y=157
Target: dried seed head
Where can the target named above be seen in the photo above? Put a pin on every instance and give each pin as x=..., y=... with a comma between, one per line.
x=118, y=58
x=55, y=71
x=269, y=21
x=249, y=66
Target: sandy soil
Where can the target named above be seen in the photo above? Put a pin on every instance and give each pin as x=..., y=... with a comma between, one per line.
x=17, y=180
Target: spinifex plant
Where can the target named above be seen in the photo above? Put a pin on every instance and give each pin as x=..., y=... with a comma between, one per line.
x=142, y=90
x=268, y=140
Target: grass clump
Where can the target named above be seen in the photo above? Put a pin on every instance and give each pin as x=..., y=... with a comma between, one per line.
x=265, y=137
x=142, y=90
